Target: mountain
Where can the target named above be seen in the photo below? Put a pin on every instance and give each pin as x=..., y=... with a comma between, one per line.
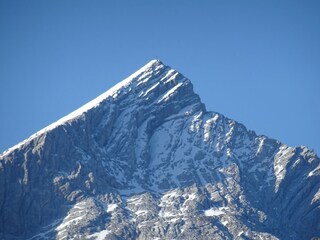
x=146, y=160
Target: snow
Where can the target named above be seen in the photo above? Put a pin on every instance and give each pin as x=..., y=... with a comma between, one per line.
x=196, y=122
x=260, y=145
x=170, y=76
x=192, y=196
x=173, y=220
x=207, y=127
x=135, y=199
x=230, y=132
x=316, y=171
x=69, y=222
x=167, y=214
x=169, y=93
x=141, y=212
x=316, y=197
x=99, y=235
x=111, y=207
x=77, y=214
x=149, y=90
x=224, y=222
x=212, y=212
x=229, y=153
x=169, y=196
x=167, y=204
x=280, y=163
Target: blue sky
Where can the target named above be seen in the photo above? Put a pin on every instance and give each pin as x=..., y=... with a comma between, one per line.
x=257, y=62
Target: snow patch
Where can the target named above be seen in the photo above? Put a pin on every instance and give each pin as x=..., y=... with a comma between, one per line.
x=99, y=235
x=169, y=93
x=280, y=163
x=111, y=207
x=69, y=222
x=212, y=212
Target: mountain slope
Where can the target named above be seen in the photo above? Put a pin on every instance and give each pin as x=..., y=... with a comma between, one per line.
x=146, y=160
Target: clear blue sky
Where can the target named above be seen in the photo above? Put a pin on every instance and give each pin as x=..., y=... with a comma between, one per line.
x=257, y=62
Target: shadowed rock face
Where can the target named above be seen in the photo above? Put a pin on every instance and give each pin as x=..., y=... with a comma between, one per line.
x=145, y=160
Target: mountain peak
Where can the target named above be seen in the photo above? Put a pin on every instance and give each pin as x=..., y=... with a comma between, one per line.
x=145, y=160
x=153, y=79
x=154, y=62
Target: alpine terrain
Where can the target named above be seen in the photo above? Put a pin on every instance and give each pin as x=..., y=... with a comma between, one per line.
x=146, y=160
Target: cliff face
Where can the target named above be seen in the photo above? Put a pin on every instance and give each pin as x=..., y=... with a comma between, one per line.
x=146, y=160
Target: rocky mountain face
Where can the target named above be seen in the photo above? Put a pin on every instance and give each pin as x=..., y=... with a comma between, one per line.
x=146, y=160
